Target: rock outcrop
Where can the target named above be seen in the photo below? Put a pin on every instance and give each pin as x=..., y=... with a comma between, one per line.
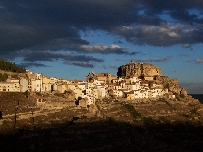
x=139, y=69
x=152, y=74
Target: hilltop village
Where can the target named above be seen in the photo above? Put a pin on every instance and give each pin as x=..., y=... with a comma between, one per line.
x=133, y=81
x=138, y=110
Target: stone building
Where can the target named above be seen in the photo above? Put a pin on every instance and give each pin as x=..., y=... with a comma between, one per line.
x=105, y=77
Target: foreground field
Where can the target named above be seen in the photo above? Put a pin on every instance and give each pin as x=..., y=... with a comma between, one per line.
x=110, y=125
x=108, y=135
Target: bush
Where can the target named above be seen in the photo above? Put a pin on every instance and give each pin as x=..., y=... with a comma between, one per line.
x=132, y=111
x=193, y=111
x=148, y=121
x=9, y=66
x=3, y=77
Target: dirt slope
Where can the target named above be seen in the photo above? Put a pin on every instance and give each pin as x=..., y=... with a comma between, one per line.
x=10, y=101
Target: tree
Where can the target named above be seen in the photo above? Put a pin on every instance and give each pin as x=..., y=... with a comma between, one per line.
x=9, y=66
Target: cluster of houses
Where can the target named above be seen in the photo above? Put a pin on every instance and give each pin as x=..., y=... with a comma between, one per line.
x=97, y=85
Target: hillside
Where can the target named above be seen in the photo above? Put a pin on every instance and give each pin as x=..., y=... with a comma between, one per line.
x=13, y=74
x=151, y=74
x=110, y=125
x=11, y=70
x=11, y=101
x=12, y=67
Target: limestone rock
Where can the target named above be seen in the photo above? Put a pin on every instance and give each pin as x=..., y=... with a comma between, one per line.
x=183, y=91
x=173, y=86
x=151, y=74
x=139, y=70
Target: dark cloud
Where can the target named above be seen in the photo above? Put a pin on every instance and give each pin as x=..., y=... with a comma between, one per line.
x=103, y=49
x=153, y=59
x=161, y=35
x=118, y=42
x=32, y=58
x=184, y=15
x=50, y=56
x=134, y=53
x=32, y=64
x=81, y=64
x=51, y=25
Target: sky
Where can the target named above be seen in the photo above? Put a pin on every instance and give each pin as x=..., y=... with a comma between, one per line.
x=70, y=38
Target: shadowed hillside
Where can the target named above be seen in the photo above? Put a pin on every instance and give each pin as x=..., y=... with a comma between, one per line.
x=114, y=126
x=106, y=135
x=9, y=101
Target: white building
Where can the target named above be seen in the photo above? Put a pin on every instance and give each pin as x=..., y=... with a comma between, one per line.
x=102, y=91
x=82, y=86
x=23, y=84
x=9, y=87
x=61, y=88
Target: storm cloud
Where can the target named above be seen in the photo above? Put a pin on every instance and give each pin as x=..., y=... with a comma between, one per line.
x=38, y=30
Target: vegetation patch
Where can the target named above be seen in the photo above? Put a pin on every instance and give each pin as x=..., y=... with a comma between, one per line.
x=148, y=121
x=193, y=111
x=3, y=77
x=132, y=111
x=8, y=66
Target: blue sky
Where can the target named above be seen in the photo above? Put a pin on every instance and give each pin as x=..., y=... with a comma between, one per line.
x=68, y=39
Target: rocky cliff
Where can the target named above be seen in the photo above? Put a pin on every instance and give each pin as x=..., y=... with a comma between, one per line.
x=150, y=73
x=139, y=70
